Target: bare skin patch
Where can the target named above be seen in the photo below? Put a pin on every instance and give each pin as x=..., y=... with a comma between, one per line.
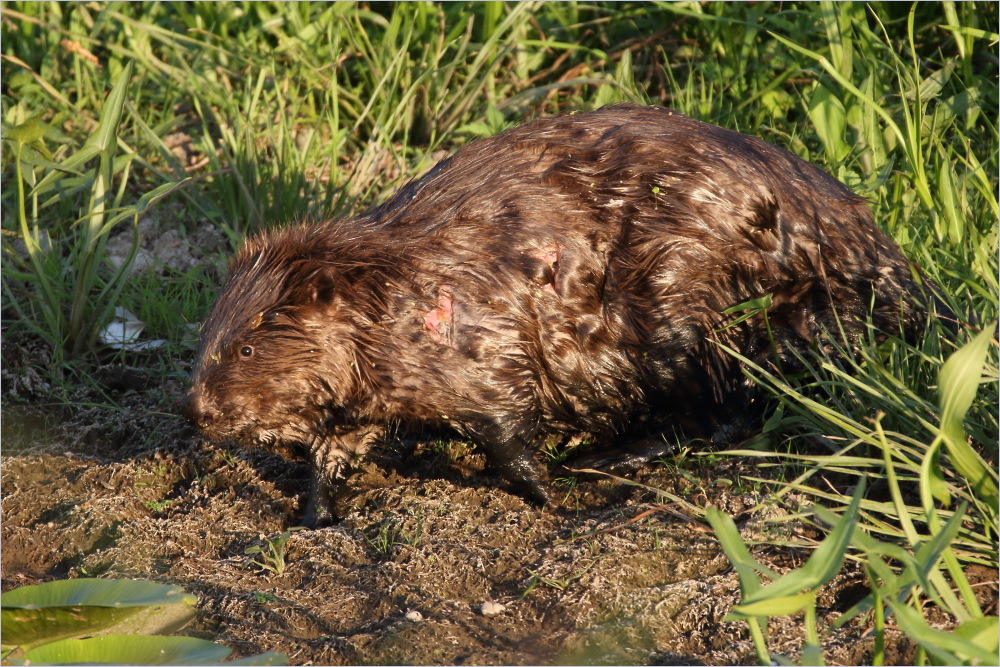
x=550, y=255
x=440, y=321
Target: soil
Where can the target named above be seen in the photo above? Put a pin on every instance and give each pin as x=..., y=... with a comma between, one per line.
x=607, y=575
x=433, y=561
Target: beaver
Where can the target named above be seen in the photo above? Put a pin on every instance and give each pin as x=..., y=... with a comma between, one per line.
x=576, y=274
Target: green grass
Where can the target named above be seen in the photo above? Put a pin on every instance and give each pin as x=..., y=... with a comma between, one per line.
x=310, y=110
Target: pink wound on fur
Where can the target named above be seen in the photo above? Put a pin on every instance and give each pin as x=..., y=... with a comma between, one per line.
x=550, y=255
x=439, y=320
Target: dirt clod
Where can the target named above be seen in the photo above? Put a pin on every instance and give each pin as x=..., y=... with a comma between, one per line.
x=490, y=609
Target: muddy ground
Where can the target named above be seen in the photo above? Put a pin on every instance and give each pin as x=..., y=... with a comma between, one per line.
x=607, y=575
x=433, y=562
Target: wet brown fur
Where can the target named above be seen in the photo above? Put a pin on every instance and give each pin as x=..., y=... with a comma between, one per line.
x=568, y=275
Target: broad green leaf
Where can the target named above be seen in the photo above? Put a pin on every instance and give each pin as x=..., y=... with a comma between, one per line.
x=822, y=566
x=837, y=21
x=947, y=647
x=36, y=157
x=746, y=568
x=829, y=117
x=111, y=113
x=71, y=164
x=27, y=132
x=932, y=85
x=27, y=628
x=812, y=654
x=95, y=593
x=929, y=553
x=736, y=551
x=103, y=139
x=785, y=605
x=957, y=386
x=932, y=481
x=143, y=204
x=948, y=202
x=34, y=615
x=984, y=632
x=138, y=650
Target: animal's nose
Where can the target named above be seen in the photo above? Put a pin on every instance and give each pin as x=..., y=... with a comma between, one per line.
x=195, y=413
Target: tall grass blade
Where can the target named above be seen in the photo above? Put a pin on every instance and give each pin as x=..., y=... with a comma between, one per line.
x=822, y=566
x=746, y=569
x=948, y=648
x=958, y=383
x=103, y=139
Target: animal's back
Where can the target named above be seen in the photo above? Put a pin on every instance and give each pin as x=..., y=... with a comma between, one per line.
x=591, y=256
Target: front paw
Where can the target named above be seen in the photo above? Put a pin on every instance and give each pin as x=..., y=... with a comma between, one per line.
x=533, y=490
x=318, y=514
x=525, y=479
x=321, y=507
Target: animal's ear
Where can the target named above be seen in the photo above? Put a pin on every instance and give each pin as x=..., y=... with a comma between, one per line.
x=317, y=288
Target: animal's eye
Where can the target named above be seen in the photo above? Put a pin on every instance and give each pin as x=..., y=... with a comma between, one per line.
x=246, y=352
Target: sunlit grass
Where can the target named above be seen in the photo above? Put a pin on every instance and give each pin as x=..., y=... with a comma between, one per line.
x=310, y=110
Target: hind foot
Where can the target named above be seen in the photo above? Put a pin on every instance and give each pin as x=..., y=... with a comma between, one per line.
x=625, y=458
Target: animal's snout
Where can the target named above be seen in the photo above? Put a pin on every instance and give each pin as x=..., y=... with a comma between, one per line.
x=196, y=413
